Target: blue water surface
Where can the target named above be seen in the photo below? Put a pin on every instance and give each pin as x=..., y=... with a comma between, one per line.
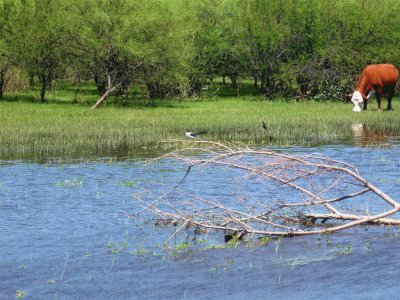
x=67, y=231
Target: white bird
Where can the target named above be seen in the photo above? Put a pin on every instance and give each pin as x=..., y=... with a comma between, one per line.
x=191, y=135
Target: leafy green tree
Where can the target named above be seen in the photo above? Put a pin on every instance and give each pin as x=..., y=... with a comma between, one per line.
x=267, y=39
x=217, y=43
x=168, y=48
x=40, y=48
x=305, y=48
x=100, y=35
x=127, y=41
x=7, y=23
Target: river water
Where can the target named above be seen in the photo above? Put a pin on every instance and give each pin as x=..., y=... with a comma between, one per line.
x=66, y=233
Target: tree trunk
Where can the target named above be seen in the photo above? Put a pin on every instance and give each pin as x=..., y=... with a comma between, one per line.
x=43, y=87
x=263, y=80
x=2, y=82
x=156, y=90
x=234, y=83
x=224, y=81
x=151, y=91
x=77, y=87
x=100, y=84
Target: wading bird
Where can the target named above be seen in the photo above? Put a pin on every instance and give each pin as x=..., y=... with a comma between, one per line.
x=191, y=135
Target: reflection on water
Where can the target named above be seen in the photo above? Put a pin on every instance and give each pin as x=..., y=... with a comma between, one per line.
x=365, y=137
x=358, y=129
x=65, y=233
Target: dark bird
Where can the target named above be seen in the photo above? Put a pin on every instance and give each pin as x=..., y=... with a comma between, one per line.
x=269, y=136
x=264, y=125
x=191, y=135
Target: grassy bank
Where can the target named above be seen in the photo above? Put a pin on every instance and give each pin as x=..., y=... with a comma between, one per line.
x=75, y=130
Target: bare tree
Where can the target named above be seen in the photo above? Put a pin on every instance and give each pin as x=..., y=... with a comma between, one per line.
x=289, y=194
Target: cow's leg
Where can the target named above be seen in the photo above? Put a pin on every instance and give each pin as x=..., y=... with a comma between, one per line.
x=379, y=98
x=365, y=104
x=371, y=93
x=390, y=97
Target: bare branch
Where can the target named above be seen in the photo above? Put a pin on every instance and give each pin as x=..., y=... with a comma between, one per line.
x=289, y=195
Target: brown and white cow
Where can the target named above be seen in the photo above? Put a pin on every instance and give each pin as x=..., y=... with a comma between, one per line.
x=377, y=79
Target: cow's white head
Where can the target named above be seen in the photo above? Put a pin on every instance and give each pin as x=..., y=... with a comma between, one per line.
x=357, y=99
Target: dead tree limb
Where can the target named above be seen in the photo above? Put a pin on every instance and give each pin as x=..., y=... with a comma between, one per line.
x=110, y=88
x=270, y=193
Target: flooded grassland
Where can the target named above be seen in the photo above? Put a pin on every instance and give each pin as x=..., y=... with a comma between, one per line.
x=68, y=231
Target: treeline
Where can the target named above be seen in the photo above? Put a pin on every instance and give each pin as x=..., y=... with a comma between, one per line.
x=287, y=48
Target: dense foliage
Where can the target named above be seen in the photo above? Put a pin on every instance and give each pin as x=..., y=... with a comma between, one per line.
x=287, y=48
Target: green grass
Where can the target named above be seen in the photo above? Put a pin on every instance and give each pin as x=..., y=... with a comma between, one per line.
x=35, y=130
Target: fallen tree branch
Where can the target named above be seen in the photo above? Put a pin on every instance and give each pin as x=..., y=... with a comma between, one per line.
x=266, y=192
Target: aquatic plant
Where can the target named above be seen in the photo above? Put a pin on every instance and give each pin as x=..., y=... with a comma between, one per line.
x=127, y=183
x=342, y=249
x=181, y=247
x=264, y=240
x=67, y=183
x=20, y=294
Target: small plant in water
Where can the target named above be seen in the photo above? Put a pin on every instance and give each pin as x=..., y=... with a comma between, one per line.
x=113, y=247
x=20, y=294
x=74, y=183
x=342, y=249
x=212, y=246
x=231, y=241
x=127, y=183
x=201, y=241
x=141, y=251
x=181, y=247
x=264, y=240
x=213, y=269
